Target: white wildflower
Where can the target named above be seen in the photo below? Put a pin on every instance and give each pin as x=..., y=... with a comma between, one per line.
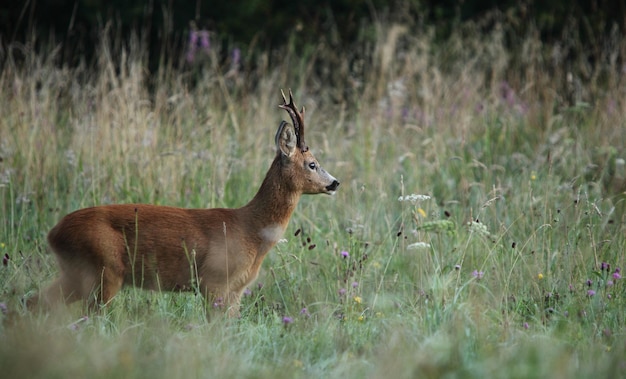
x=418, y=246
x=414, y=198
x=71, y=157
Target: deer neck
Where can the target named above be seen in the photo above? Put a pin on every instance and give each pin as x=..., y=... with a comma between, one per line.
x=271, y=208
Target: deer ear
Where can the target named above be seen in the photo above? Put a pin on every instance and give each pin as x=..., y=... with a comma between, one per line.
x=286, y=140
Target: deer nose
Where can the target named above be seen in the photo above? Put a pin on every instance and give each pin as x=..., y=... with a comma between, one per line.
x=332, y=186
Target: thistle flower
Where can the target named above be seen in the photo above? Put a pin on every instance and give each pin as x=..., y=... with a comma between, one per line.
x=478, y=274
x=287, y=320
x=605, y=266
x=591, y=293
x=345, y=254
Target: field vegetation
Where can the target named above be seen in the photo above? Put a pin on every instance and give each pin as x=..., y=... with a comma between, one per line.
x=479, y=230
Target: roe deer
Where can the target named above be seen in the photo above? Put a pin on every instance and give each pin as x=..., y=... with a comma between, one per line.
x=220, y=251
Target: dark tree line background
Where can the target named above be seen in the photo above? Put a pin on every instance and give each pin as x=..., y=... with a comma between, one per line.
x=76, y=25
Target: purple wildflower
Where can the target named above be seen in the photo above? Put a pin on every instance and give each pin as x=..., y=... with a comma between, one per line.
x=3, y=308
x=342, y=291
x=219, y=302
x=526, y=325
x=305, y=312
x=355, y=284
x=76, y=324
x=605, y=266
x=591, y=293
x=345, y=254
x=193, y=39
x=247, y=292
x=287, y=320
x=616, y=274
x=589, y=282
x=477, y=274
x=193, y=43
x=205, y=43
x=507, y=93
x=236, y=57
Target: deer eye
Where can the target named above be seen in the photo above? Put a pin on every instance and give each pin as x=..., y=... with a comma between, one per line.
x=312, y=165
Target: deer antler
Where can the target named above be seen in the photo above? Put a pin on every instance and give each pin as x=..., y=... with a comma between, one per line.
x=297, y=118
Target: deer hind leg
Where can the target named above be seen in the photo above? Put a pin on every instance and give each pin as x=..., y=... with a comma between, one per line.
x=61, y=291
x=109, y=282
x=93, y=283
x=72, y=285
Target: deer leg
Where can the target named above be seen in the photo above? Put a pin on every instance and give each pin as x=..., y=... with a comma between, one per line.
x=233, y=303
x=61, y=291
x=223, y=300
x=104, y=289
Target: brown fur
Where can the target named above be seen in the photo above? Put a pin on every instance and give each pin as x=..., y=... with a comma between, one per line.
x=101, y=249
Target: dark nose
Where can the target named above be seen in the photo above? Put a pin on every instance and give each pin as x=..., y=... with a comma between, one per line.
x=333, y=186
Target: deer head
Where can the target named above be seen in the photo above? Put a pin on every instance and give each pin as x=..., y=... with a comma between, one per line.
x=306, y=170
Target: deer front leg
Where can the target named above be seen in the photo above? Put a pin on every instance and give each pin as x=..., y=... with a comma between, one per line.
x=223, y=301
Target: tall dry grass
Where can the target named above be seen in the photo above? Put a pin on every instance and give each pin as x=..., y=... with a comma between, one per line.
x=519, y=144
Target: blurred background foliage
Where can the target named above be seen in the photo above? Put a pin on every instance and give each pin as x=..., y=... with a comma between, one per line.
x=76, y=26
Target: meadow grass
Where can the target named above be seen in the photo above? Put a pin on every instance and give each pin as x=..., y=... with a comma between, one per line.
x=507, y=266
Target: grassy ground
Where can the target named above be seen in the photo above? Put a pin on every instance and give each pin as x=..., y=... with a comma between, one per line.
x=509, y=267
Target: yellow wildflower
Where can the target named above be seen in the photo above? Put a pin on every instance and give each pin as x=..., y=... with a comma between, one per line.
x=540, y=276
x=357, y=299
